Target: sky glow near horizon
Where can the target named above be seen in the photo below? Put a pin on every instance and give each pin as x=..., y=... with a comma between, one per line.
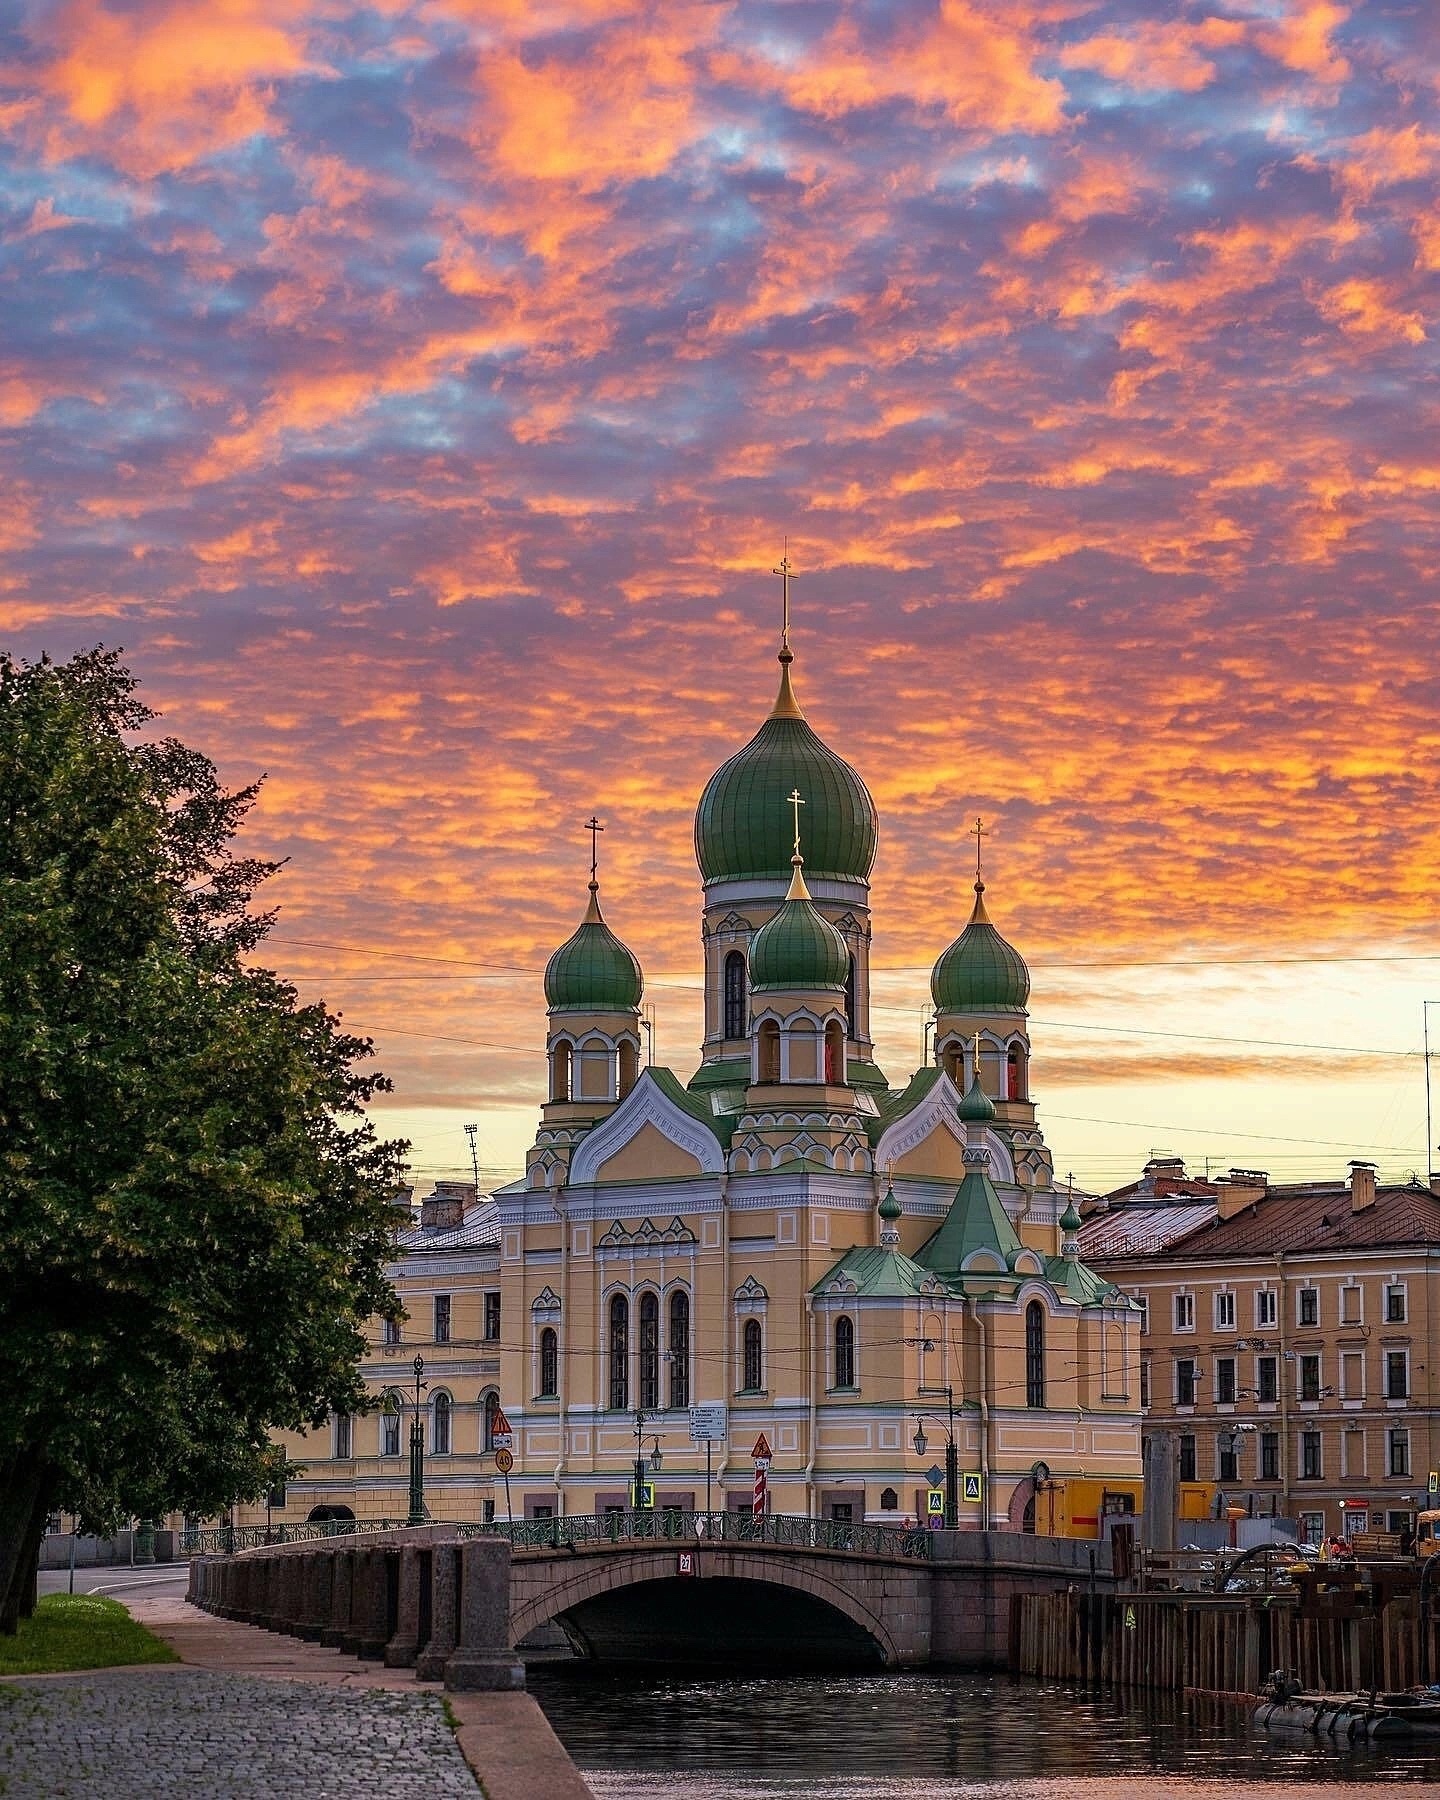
x=421, y=393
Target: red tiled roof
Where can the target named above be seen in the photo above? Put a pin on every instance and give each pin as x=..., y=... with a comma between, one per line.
x=1317, y=1219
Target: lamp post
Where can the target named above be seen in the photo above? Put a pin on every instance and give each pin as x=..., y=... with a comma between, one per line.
x=952, y=1459
x=655, y=1453
x=417, y=1451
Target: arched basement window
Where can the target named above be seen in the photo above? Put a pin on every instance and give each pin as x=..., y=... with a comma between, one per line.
x=844, y=1352
x=680, y=1349
x=629, y=1066
x=1034, y=1354
x=769, y=1051
x=619, y=1352
x=549, y=1363
x=649, y=1352
x=1014, y=1075
x=560, y=1072
x=754, y=1360
x=736, y=983
x=440, y=1407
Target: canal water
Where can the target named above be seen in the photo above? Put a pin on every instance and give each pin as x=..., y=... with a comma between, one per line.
x=926, y=1736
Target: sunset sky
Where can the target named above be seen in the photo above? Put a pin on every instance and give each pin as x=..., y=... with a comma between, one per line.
x=421, y=394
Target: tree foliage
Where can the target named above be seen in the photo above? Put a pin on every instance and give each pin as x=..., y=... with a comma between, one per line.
x=193, y=1204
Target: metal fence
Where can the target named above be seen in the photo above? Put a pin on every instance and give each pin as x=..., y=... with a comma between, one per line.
x=225, y=1540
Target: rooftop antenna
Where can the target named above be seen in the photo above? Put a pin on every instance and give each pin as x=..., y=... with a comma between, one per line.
x=471, y=1132
x=1425, y=1006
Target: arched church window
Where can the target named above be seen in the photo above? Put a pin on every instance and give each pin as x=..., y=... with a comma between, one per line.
x=489, y=1413
x=953, y=1061
x=844, y=1352
x=769, y=1051
x=850, y=996
x=754, y=1357
x=1034, y=1354
x=619, y=1352
x=440, y=1424
x=629, y=1066
x=736, y=984
x=1014, y=1075
x=649, y=1352
x=834, y=1053
x=549, y=1363
x=680, y=1349
x=560, y=1072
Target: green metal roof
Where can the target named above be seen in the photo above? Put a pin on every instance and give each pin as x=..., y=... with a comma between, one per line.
x=896, y=1105
x=976, y=1107
x=698, y=1106
x=980, y=972
x=798, y=948
x=724, y=1072
x=878, y=1273
x=593, y=971
x=743, y=824
x=977, y=1220
x=1069, y=1276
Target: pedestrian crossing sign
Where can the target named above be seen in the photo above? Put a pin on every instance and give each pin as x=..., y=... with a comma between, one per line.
x=642, y=1496
x=972, y=1486
x=934, y=1502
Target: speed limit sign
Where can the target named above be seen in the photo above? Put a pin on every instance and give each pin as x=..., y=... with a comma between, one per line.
x=504, y=1461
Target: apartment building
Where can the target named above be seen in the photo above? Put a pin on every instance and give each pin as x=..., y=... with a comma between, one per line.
x=1288, y=1344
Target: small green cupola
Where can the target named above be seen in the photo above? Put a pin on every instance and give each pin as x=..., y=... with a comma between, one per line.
x=592, y=971
x=980, y=972
x=798, y=948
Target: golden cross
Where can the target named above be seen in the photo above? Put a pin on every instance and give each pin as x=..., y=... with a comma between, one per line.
x=787, y=575
x=977, y=831
x=796, y=803
x=594, y=827
x=977, y=1058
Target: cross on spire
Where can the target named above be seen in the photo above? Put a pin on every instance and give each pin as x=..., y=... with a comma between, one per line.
x=795, y=804
x=787, y=575
x=978, y=831
x=594, y=827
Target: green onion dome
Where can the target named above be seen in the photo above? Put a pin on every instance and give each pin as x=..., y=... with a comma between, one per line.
x=980, y=972
x=889, y=1206
x=976, y=1106
x=799, y=947
x=593, y=971
x=740, y=823
x=1070, y=1219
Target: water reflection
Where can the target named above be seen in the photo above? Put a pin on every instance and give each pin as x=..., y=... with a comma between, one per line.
x=920, y=1736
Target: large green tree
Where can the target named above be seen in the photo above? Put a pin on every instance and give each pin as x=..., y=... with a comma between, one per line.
x=194, y=1213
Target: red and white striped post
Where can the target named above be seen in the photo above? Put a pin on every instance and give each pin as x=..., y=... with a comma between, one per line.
x=761, y=1457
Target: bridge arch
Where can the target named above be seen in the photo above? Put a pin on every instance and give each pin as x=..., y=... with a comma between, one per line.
x=545, y=1588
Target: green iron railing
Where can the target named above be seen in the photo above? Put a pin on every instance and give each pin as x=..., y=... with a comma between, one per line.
x=225, y=1540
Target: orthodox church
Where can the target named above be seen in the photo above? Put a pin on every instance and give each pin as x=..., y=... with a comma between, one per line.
x=852, y=1268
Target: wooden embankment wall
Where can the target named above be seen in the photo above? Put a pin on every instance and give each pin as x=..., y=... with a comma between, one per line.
x=1218, y=1644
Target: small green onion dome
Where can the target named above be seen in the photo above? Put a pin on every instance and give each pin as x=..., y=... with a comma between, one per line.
x=1070, y=1219
x=976, y=1107
x=799, y=947
x=740, y=823
x=889, y=1206
x=980, y=972
x=593, y=971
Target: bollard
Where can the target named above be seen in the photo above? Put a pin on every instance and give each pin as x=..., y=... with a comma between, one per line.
x=337, y=1624
x=195, y=1585
x=444, y=1599
x=483, y=1657
x=270, y=1594
x=404, y=1646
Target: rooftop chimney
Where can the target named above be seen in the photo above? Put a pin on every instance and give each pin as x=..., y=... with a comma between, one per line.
x=1239, y=1189
x=445, y=1208
x=1362, y=1186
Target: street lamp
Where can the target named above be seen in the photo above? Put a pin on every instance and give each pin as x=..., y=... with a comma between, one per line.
x=952, y=1459
x=417, y=1451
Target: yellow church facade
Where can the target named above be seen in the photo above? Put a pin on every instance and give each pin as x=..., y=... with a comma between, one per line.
x=853, y=1269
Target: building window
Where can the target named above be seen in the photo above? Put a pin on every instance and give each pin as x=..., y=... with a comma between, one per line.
x=1034, y=1354
x=834, y=1054
x=769, y=1051
x=390, y=1424
x=440, y=1439
x=649, y=1352
x=680, y=1349
x=490, y=1415
x=390, y=1334
x=754, y=1357
x=1227, y=1461
x=1397, y=1375
x=1309, y=1377
x=1267, y=1379
x=736, y=996
x=1352, y=1453
x=560, y=1072
x=619, y=1352
x=1014, y=1074
x=344, y=1429
x=1352, y=1375
x=1224, y=1312
x=1269, y=1456
x=629, y=1067
x=1225, y=1381
x=844, y=1353
x=1267, y=1307
x=1144, y=1383
x=1395, y=1304
x=1187, y=1456
x=1350, y=1307
x=492, y=1318
x=1185, y=1382
x=1184, y=1312
x=1143, y=1302
x=1398, y=1448
x=1309, y=1313
x=889, y=1500
x=1311, y=1467
x=549, y=1363
x=1312, y=1528
x=442, y=1318
x=850, y=997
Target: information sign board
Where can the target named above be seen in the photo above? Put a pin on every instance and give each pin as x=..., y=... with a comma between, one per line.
x=709, y=1424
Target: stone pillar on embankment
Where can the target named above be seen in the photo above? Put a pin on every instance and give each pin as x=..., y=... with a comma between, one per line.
x=976, y=1576
x=404, y=1645
x=444, y=1613
x=483, y=1657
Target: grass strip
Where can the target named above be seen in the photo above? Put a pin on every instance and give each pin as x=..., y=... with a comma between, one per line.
x=79, y=1631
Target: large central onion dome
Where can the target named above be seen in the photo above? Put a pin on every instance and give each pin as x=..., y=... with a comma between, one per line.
x=980, y=972
x=593, y=971
x=740, y=822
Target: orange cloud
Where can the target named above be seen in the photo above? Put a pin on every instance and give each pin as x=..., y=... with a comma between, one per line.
x=1156, y=55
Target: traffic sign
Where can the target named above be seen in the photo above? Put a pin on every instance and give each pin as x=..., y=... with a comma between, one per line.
x=709, y=1424
x=762, y=1451
x=935, y=1502
x=642, y=1496
x=1434, y=1484
x=504, y=1461
x=1130, y=1618
x=501, y=1436
x=687, y=1563
x=971, y=1479
x=934, y=1474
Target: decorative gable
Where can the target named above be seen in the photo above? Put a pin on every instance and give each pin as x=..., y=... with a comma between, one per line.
x=667, y=1141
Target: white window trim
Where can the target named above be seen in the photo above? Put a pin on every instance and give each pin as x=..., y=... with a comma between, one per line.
x=1267, y=1308
x=1187, y=1296
x=1351, y=1357
x=1392, y=1434
x=1403, y=1399
x=1356, y=1288
x=1300, y=1292
x=1404, y=1288
x=1229, y=1324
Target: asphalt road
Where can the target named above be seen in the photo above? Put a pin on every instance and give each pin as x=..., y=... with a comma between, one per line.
x=162, y=1579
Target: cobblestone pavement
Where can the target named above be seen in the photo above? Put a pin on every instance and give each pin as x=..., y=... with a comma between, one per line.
x=188, y=1734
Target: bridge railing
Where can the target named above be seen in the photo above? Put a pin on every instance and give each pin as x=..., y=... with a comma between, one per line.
x=225, y=1540
x=673, y=1524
